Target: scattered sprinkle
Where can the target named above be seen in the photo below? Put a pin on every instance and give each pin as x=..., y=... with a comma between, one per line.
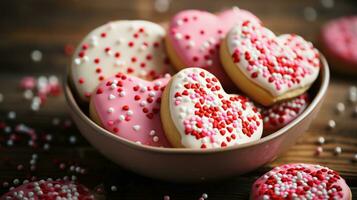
x=331, y=124
x=36, y=55
x=327, y=3
x=340, y=107
x=321, y=140
x=310, y=14
x=338, y=150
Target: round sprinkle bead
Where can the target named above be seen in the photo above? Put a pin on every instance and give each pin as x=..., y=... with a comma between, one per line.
x=36, y=56
x=331, y=124
x=340, y=107
x=338, y=150
x=321, y=140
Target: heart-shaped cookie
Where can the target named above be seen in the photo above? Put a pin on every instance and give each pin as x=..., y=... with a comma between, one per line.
x=131, y=47
x=194, y=37
x=269, y=68
x=50, y=189
x=282, y=113
x=197, y=113
x=129, y=107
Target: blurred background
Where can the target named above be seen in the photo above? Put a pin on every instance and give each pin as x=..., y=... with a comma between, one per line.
x=37, y=40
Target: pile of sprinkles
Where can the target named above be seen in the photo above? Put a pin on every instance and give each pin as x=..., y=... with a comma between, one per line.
x=206, y=116
x=49, y=190
x=278, y=64
x=131, y=47
x=280, y=114
x=129, y=107
x=37, y=90
x=302, y=181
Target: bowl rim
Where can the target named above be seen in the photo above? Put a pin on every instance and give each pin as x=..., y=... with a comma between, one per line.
x=325, y=78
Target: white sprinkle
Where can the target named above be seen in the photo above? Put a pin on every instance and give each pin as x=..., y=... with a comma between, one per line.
x=155, y=138
x=72, y=139
x=11, y=115
x=130, y=112
x=321, y=140
x=340, y=107
x=113, y=188
x=136, y=127
x=119, y=63
x=77, y=61
x=166, y=197
x=121, y=118
x=310, y=14
x=355, y=157
x=338, y=150
x=110, y=110
x=327, y=3
x=122, y=94
x=46, y=147
x=152, y=133
x=152, y=94
x=1, y=97
x=36, y=55
x=331, y=124
x=205, y=195
x=111, y=97
x=162, y=6
x=178, y=36
x=28, y=94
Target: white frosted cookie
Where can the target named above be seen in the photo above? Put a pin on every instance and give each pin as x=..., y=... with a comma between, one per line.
x=132, y=47
x=197, y=113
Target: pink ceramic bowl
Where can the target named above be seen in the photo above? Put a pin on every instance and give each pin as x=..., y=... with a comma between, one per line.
x=188, y=165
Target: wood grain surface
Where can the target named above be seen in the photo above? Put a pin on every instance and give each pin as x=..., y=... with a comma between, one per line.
x=50, y=25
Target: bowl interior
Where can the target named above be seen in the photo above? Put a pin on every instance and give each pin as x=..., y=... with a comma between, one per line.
x=316, y=92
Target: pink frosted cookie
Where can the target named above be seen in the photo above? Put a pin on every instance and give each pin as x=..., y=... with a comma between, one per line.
x=197, y=113
x=194, y=37
x=267, y=67
x=339, y=41
x=131, y=47
x=300, y=181
x=49, y=190
x=282, y=113
x=129, y=107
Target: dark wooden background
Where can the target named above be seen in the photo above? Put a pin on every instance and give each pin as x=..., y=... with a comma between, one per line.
x=49, y=25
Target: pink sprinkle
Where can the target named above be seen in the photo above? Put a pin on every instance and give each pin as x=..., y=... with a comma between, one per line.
x=28, y=83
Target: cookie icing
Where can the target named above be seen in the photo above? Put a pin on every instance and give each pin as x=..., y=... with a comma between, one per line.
x=300, y=181
x=282, y=113
x=207, y=117
x=132, y=47
x=129, y=107
x=50, y=189
x=278, y=64
x=196, y=35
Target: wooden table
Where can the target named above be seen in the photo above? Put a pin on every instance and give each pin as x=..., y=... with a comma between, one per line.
x=49, y=25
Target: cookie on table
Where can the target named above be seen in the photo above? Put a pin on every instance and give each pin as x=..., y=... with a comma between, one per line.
x=49, y=190
x=282, y=113
x=300, y=181
x=197, y=113
x=269, y=68
x=194, y=37
x=129, y=107
x=338, y=41
x=132, y=47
